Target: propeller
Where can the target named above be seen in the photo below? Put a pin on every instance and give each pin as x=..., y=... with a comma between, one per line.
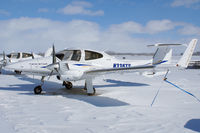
x=3, y=62
x=32, y=55
x=4, y=59
x=53, y=55
x=59, y=67
x=54, y=66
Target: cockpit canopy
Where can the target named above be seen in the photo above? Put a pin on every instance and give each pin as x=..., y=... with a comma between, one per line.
x=77, y=55
x=18, y=55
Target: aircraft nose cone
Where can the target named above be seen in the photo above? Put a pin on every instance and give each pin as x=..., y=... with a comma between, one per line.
x=10, y=67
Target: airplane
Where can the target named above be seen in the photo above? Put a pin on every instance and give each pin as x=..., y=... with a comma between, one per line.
x=16, y=57
x=185, y=59
x=20, y=56
x=83, y=64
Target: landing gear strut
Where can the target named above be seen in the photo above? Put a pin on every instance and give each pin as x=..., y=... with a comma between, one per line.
x=38, y=89
x=89, y=87
x=94, y=92
x=67, y=84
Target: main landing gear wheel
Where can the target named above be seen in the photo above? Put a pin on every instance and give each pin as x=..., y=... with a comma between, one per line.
x=38, y=89
x=94, y=92
x=67, y=84
x=18, y=72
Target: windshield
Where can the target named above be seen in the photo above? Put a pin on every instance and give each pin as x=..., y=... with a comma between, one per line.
x=15, y=55
x=74, y=55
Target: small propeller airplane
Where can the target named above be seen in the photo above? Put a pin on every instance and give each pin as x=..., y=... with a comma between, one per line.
x=20, y=56
x=83, y=64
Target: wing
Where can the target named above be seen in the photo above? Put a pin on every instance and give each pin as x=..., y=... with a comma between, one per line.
x=114, y=70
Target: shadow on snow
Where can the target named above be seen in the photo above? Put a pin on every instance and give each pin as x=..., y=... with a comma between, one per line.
x=193, y=124
x=76, y=93
x=119, y=83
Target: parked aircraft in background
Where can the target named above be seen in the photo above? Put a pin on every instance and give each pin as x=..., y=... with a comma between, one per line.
x=16, y=57
x=20, y=56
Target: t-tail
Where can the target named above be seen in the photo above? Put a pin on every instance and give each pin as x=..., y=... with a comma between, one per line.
x=162, y=55
x=185, y=59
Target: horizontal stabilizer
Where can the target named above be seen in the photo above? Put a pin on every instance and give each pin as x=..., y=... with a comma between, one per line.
x=163, y=45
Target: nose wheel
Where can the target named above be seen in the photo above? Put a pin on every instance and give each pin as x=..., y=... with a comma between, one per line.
x=67, y=84
x=38, y=89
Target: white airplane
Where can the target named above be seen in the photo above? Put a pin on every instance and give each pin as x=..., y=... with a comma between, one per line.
x=79, y=64
x=20, y=56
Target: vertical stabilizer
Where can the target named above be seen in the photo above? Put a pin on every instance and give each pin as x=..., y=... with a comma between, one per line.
x=48, y=52
x=186, y=57
x=161, y=54
x=168, y=57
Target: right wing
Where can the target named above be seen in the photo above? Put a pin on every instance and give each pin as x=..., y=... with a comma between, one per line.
x=113, y=70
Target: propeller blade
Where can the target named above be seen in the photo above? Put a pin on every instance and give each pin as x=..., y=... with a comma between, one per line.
x=50, y=75
x=32, y=55
x=4, y=61
x=54, y=55
x=4, y=56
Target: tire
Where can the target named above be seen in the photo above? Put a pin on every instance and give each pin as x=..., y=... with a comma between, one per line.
x=18, y=72
x=68, y=85
x=38, y=90
x=92, y=94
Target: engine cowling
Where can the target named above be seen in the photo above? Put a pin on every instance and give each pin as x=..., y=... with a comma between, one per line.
x=72, y=75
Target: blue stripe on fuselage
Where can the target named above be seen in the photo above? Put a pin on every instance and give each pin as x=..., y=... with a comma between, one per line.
x=82, y=65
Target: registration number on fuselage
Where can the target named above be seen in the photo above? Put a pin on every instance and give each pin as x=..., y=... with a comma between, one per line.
x=120, y=65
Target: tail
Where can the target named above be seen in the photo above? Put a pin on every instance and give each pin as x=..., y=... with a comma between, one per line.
x=168, y=57
x=185, y=59
x=48, y=52
x=162, y=55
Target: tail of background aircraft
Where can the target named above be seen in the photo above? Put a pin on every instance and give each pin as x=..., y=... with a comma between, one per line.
x=48, y=52
x=185, y=59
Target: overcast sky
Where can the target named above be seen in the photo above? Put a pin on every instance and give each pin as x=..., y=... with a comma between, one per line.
x=112, y=25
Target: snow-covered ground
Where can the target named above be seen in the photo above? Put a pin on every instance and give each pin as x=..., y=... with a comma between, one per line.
x=122, y=105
